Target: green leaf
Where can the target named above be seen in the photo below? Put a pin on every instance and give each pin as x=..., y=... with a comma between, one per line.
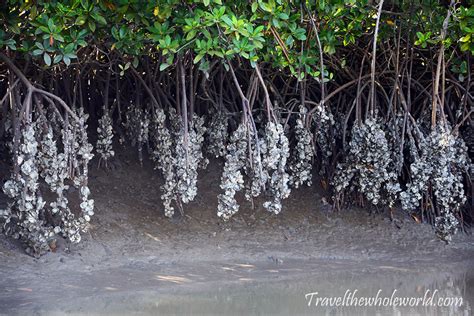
x=99, y=18
x=206, y=2
x=11, y=44
x=80, y=20
x=66, y=60
x=57, y=59
x=206, y=34
x=82, y=33
x=322, y=4
x=463, y=67
x=276, y=23
x=465, y=39
x=163, y=66
x=85, y=4
x=58, y=37
x=465, y=47
x=47, y=59
x=300, y=34
x=51, y=25
x=265, y=7
x=191, y=35
x=218, y=53
x=198, y=58
x=227, y=20
x=69, y=48
x=204, y=66
x=70, y=55
x=122, y=31
x=44, y=29
x=254, y=7
x=135, y=62
x=91, y=26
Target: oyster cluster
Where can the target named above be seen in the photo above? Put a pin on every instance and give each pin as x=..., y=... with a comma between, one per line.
x=137, y=126
x=369, y=168
x=23, y=216
x=232, y=179
x=217, y=134
x=177, y=153
x=105, y=136
x=275, y=156
x=263, y=161
x=441, y=166
x=39, y=160
x=301, y=164
x=323, y=123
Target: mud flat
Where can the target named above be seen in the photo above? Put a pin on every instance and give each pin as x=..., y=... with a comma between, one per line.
x=135, y=261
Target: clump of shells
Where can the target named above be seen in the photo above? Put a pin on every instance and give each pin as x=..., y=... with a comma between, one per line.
x=441, y=166
x=369, y=167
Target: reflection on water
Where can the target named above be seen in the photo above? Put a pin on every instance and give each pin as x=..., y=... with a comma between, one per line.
x=288, y=298
x=252, y=294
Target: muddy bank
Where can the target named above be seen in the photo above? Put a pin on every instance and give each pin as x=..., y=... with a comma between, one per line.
x=133, y=259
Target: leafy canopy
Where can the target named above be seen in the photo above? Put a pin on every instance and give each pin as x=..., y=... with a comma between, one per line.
x=274, y=31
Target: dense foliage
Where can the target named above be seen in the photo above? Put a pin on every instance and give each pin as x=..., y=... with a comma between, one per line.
x=374, y=96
